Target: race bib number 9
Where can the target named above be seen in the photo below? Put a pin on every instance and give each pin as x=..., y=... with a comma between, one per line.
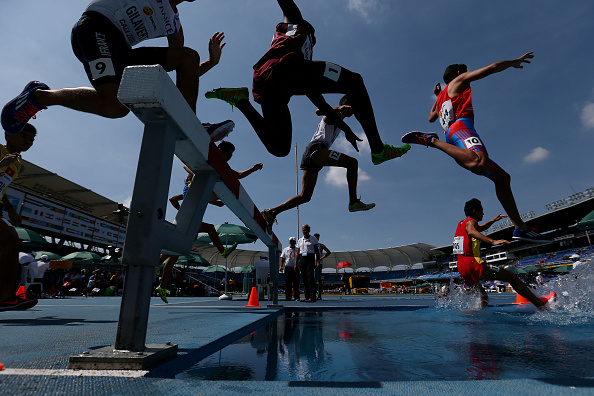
x=458, y=245
x=101, y=67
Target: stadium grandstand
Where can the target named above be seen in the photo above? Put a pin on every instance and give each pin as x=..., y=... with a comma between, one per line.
x=71, y=217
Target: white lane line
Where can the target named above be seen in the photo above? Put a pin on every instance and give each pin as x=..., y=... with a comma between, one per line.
x=75, y=373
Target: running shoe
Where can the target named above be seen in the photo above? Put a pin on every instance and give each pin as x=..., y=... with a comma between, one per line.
x=17, y=303
x=388, y=153
x=270, y=219
x=17, y=113
x=219, y=131
x=228, y=250
x=551, y=298
x=416, y=137
x=163, y=293
x=529, y=235
x=359, y=206
x=229, y=95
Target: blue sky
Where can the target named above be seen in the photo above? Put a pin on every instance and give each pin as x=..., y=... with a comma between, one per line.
x=537, y=123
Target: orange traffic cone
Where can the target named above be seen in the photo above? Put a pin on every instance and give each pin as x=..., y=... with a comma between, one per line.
x=253, y=298
x=521, y=300
x=21, y=290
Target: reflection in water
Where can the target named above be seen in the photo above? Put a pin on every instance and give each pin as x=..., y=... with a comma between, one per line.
x=428, y=344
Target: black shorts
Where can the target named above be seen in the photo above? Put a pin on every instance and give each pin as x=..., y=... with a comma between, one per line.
x=311, y=148
x=104, y=51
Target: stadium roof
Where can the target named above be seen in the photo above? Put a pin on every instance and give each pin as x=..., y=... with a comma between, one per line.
x=559, y=219
x=47, y=184
x=404, y=256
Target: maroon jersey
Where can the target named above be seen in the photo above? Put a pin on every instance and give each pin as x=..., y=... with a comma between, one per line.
x=291, y=42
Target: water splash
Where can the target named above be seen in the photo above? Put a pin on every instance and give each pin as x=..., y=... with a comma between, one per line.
x=575, y=296
x=459, y=298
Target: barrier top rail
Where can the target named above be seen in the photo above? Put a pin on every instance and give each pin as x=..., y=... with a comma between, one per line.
x=153, y=97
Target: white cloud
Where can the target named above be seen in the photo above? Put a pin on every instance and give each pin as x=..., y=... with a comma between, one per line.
x=588, y=115
x=337, y=176
x=536, y=155
x=127, y=202
x=366, y=9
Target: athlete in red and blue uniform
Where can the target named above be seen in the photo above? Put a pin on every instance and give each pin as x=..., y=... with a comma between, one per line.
x=472, y=268
x=454, y=110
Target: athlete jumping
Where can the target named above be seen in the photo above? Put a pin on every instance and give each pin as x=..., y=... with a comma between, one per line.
x=473, y=268
x=287, y=69
x=454, y=109
x=317, y=155
x=102, y=40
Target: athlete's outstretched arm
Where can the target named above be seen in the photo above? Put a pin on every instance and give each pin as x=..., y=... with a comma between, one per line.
x=325, y=109
x=460, y=83
x=291, y=13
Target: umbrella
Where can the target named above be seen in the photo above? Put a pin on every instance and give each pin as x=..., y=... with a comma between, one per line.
x=199, y=261
x=248, y=269
x=50, y=255
x=563, y=268
x=230, y=234
x=215, y=269
x=516, y=270
x=83, y=257
x=344, y=264
x=587, y=223
x=31, y=239
x=531, y=268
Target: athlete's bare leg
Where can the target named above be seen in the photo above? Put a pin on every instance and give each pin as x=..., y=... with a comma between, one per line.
x=103, y=100
x=308, y=184
x=515, y=282
x=479, y=164
x=213, y=234
x=167, y=270
x=9, y=260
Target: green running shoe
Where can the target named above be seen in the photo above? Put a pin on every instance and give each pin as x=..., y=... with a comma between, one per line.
x=229, y=95
x=163, y=293
x=359, y=206
x=228, y=250
x=388, y=153
x=270, y=219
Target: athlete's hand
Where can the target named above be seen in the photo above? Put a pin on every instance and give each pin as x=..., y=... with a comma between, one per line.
x=352, y=139
x=501, y=242
x=437, y=89
x=258, y=166
x=345, y=110
x=517, y=63
x=9, y=159
x=215, y=47
x=499, y=217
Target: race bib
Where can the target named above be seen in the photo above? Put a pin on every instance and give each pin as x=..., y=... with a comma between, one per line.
x=472, y=141
x=458, y=245
x=5, y=180
x=335, y=155
x=332, y=71
x=101, y=67
x=446, y=114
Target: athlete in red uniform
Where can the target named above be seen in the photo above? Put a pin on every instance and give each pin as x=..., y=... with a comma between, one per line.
x=454, y=109
x=287, y=69
x=473, y=268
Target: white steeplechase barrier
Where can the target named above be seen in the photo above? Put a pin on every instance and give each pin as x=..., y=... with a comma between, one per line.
x=171, y=129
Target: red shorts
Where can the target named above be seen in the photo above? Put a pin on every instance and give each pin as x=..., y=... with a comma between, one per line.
x=470, y=270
